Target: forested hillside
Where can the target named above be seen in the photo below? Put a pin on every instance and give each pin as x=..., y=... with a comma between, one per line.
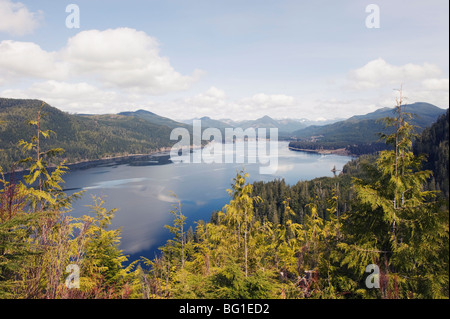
x=156, y=119
x=315, y=239
x=433, y=142
x=86, y=137
x=360, y=134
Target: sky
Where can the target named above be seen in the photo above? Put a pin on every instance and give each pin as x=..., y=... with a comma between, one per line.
x=243, y=59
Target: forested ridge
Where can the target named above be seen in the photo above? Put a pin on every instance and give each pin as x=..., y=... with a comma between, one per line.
x=83, y=137
x=314, y=239
x=434, y=143
x=359, y=135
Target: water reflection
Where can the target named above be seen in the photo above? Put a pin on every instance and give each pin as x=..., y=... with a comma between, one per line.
x=143, y=194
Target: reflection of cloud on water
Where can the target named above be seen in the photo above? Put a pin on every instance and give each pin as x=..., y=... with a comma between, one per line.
x=115, y=183
x=136, y=245
x=200, y=203
x=285, y=168
x=146, y=200
x=156, y=191
x=166, y=198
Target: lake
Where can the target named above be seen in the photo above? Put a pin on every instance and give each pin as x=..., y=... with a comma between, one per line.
x=142, y=194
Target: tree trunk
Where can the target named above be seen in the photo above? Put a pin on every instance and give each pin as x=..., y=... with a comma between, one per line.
x=245, y=243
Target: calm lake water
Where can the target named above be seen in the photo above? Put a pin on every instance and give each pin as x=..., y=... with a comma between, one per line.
x=142, y=194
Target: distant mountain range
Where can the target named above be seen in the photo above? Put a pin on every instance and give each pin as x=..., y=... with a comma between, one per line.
x=285, y=126
x=423, y=113
x=358, y=128
x=89, y=137
x=83, y=137
x=154, y=118
x=365, y=128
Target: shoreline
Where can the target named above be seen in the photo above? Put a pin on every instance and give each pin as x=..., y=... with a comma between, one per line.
x=83, y=164
x=338, y=151
x=161, y=154
x=157, y=157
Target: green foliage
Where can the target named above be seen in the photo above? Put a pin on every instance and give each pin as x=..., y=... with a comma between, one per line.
x=409, y=230
x=101, y=266
x=434, y=144
x=174, y=250
x=230, y=282
x=38, y=239
x=360, y=134
x=83, y=137
x=316, y=238
x=309, y=240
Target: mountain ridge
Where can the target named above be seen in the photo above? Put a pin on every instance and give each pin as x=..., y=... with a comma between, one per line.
x=426, y=114
x=83, y=137
x=90, y=137
x=154, y=118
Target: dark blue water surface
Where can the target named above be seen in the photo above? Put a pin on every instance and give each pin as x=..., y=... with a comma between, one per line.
x=142, y=194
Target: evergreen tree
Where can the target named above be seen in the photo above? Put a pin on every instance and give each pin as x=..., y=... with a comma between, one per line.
x=239, y=213
x=38, y=239
x=402, y=228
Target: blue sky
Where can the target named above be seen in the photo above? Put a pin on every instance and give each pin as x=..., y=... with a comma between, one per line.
x=225, y=59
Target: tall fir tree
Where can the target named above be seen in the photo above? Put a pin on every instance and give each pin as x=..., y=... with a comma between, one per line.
x=400, y=226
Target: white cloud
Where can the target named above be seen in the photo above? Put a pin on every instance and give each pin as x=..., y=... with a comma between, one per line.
x=127, y=59
x=434, y=96
x=65, y=80
x=16, y=19
x=267, y=101
x=19, y=60
x=215, y=103
x=73, y=97
x=378, y=78
x=209, y=101
x=215, y=93
x=436, y=84
x=378, y=73
x=123, y=59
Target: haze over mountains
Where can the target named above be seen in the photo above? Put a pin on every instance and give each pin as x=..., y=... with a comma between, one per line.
x=154, y=118
x=359, y=128
x=285, y=126
x=365, y=128
x=88, y=137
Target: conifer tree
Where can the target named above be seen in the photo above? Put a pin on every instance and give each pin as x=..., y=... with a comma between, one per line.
x=38, y=238
x=102, y=272
x=37, y=229
x=240, y=212
x=406, y=233
x=175, y=248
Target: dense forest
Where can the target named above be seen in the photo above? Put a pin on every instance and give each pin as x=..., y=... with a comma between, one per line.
x=360, y=135
x=434, y=143
x=315, y=239
x=83, y=137
x=350, y=149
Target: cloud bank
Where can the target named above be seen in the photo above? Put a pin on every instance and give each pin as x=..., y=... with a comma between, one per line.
x=123, y=59
x=123, y=70
x=16, y=19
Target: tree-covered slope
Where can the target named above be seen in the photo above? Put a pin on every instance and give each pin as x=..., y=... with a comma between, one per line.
x=360, y=134
x=365, y=128
x=155, y=118
x=315, y=239
x=434, y=143
x=82, y=137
